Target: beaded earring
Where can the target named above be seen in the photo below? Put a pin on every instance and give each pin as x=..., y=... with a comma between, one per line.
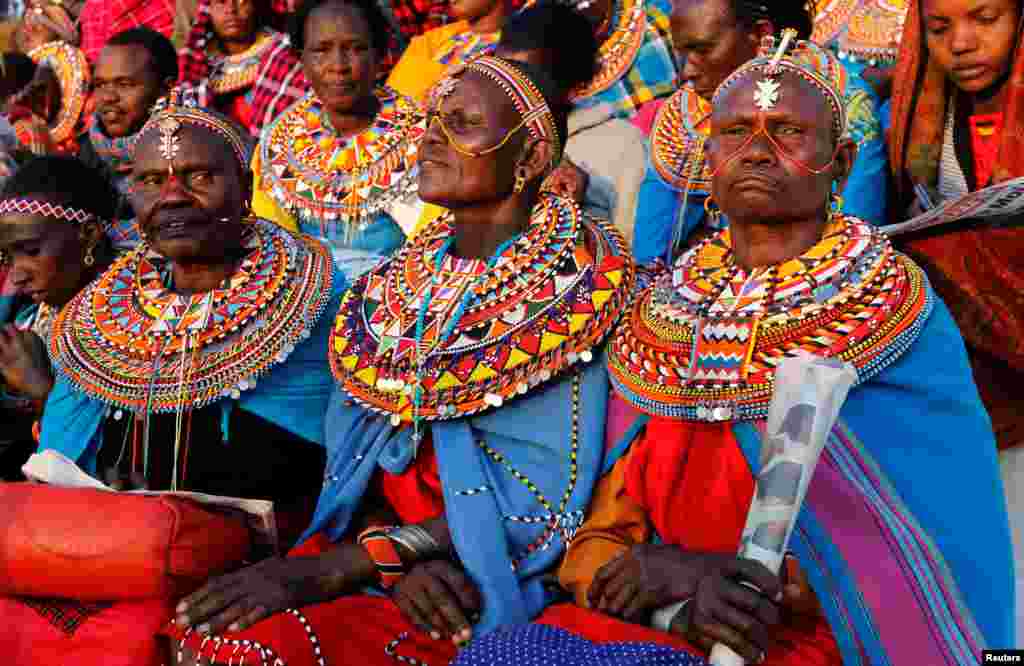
x=520, y=183
x=88, y=259
x=835, y=205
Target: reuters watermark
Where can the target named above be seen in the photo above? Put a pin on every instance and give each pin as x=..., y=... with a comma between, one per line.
x=1002, y=657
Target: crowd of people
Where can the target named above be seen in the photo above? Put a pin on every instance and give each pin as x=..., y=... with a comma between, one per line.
x=488, y=299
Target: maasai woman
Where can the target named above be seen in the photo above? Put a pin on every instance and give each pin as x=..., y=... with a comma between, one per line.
x=474, y=32
x=958, y=126
x=49, y=35
x=195, y=361
x=887, y=564
x=222, y=55
x=714, y=37
x=133, y=71
x=52, y=215
x=469, y=427
x=340, y=163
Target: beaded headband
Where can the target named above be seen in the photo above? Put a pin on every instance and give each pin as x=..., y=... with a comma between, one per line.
x=528, y=100
x=805, y=59
x=180, y=108
x=22, y=206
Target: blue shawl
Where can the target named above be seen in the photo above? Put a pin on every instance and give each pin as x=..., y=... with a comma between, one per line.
x=533, y=435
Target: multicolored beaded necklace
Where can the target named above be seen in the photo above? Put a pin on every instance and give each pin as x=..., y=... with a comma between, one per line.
x=115, y=152
x=464, y=46
x=73, y=73
x=333, y=181
x=864, y=30
x=429, y=336
x=230, y=73
x=618, y=52
x=702, y=343
x=130, y=341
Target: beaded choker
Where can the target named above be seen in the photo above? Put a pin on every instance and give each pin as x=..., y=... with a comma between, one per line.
x=230, y=73
x=73, y=74
x=551, y=296
x=116, y=153
x=702, y=343
x=616, y=54
x=130, y=341
x=322, y=178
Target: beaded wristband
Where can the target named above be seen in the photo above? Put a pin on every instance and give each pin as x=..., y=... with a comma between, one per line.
x=383, y=553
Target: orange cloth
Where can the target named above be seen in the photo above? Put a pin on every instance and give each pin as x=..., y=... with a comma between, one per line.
x=691, y=484
x=978, y=272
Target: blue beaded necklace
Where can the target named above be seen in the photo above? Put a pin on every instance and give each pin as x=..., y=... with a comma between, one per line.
x=449, y=328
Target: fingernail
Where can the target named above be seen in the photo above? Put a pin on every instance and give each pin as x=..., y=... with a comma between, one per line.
x=182, y=621
x=466, y=634
x=203, y=628
x=761, y=659
x=234, y=627
x=182, y=607
x=435, y=635
x=778, y=597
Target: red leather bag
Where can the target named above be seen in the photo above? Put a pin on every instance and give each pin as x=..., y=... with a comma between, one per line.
x=94, y=545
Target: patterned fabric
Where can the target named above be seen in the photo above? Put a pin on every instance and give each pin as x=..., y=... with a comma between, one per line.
x=861, y=30
x=540, y=645
x=102, y=19
x=65, y=614
x=74, y=74
x=637, y=61
x=415, y=17
x=337, y=183
x=465, y=46
x=279, y=83
x=481, y=342
x=129, y=340
x=703, y=342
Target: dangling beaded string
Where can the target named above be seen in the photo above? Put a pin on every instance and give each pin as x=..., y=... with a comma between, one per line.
x=453, y=321
x=184, y=379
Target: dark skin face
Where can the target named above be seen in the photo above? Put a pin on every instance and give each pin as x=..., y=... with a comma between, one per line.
x=711, y=42
x=182, y=214
x=47, y=256
x=126, y=86
x=479, y=115
x=775, y=207
x=339, y=60
x=234, y=23
x=972, y=40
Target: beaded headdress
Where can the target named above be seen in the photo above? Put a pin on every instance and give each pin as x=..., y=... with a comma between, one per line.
x=26, y=206
x=529, y=101
x=807, y=60
x=180, y=108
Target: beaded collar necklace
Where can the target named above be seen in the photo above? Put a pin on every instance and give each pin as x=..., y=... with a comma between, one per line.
x=73, y=74
x=230, y=73
x=115, y=152
x=702, y=343
x=618, y=52
x=325, y=179
x=487, y=332
x=868, y=31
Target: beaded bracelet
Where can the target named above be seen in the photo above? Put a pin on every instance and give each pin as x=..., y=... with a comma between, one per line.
x=383, y=553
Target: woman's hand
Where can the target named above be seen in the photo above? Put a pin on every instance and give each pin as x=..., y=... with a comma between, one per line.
x=24, y=363
x=439, y=599
x=726, y=610
x=239, y=600
x=647, y=577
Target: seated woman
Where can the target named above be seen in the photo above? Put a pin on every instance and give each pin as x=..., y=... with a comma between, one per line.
x=958, y=126
x=49, y=35
x=135, y=69
x=340, y=164
x=225, y=47
x=206, y=270
x=52, y=214
x=469, y=425
x=886, y=564
x=474, y=32
x=714, y=37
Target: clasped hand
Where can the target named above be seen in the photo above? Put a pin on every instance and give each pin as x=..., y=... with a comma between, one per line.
x=24, y=363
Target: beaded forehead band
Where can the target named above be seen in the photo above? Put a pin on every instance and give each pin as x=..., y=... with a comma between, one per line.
x=22, y=206
x=805, y=59
x=533, y=108
x=181, y=108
